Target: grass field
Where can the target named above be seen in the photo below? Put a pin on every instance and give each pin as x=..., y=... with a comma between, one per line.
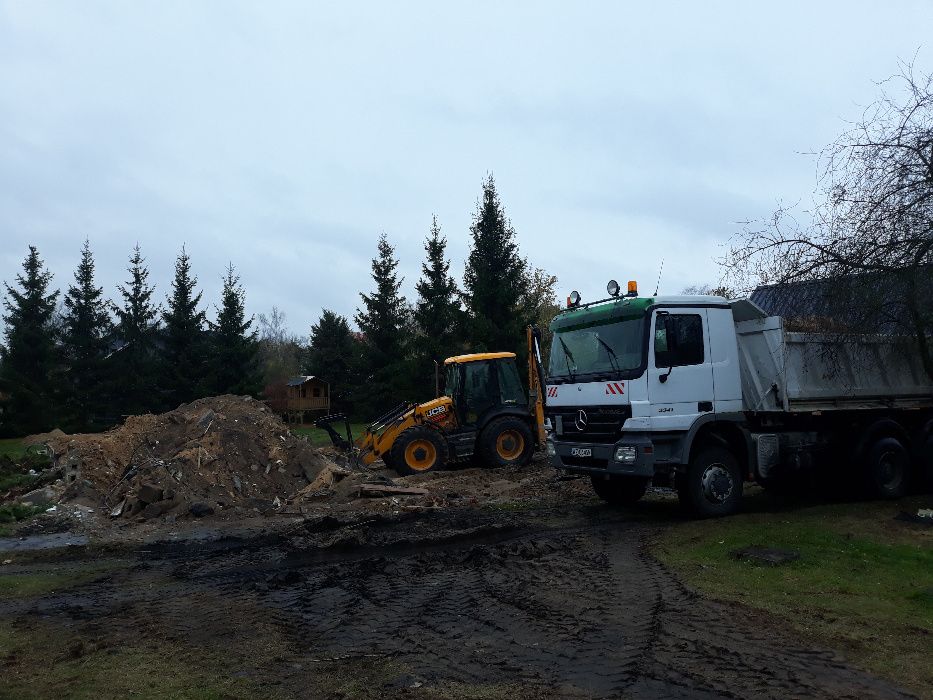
x=863, y=583
x=320, y=439
x=12, y=447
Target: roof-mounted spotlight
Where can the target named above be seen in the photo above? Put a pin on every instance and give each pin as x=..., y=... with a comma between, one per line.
x=573, y=299
x=613, y=288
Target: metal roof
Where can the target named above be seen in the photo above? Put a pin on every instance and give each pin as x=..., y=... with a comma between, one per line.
x=298, y=381
x=870, y=302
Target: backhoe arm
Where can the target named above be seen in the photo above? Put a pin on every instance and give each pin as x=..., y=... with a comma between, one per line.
x=536, y=383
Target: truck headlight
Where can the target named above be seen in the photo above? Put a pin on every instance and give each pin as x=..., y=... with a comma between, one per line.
x=626, y=454
x=551, y=450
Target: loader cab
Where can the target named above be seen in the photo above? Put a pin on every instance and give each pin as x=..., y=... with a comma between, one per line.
x=484, y=386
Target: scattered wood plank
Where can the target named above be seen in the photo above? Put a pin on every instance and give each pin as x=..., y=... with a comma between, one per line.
x=379, y=490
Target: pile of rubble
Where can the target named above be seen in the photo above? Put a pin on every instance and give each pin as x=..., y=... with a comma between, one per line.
x=214, y=454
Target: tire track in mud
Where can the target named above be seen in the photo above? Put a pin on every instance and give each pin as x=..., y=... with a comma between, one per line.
x=566, y=605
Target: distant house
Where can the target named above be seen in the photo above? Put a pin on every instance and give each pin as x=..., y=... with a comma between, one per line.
x=305, y=397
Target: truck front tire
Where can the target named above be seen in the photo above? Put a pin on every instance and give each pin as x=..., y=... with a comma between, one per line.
x=887, y=468
x=712, y=484
x=619, y=490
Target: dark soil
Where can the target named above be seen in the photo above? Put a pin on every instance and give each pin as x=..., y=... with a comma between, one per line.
x=563, y=601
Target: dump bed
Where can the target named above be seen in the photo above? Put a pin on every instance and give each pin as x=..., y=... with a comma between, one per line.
x=789, y=371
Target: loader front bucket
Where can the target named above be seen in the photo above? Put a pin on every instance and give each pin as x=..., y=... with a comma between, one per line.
x=325, y=424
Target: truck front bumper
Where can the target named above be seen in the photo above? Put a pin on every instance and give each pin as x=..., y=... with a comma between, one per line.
x=631, y=456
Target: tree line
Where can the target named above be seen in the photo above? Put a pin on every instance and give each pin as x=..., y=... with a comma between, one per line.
x=392, y=357
x=82, y=362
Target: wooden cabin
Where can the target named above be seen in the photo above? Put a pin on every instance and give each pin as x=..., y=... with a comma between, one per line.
x=306, y=396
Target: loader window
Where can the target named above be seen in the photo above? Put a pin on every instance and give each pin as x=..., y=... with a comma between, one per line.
x=678, y=340
x=478, y=391
x=511, y=392
x=452, y=385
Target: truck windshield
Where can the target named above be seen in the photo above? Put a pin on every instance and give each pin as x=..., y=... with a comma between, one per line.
x=613, y=348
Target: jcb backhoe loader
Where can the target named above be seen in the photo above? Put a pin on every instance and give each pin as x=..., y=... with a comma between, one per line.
x=483, y=411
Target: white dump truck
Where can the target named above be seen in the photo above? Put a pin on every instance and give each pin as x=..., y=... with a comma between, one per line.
x=702, y=393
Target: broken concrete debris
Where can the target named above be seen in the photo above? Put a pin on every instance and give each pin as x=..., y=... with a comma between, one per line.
x=187, y=461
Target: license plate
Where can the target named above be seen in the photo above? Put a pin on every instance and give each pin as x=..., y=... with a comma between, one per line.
x=581, y=452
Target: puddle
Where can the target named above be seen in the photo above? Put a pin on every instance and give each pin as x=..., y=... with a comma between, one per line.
x=33, y=542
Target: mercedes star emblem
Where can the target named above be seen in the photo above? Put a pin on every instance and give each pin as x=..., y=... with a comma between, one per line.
x=580, y=422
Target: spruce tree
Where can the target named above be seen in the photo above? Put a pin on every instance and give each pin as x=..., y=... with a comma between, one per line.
x=437, y=311
x=333, y=355
x=28, y=355
x=135, y=362
x=493, y=277
x=85, y=342
x=183, y=335
x=234, y=361
x=383, y=319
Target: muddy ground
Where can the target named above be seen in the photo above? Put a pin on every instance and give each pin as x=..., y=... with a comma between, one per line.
x=538, y=596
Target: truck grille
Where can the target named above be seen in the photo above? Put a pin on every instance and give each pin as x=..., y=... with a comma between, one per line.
x=603, y=425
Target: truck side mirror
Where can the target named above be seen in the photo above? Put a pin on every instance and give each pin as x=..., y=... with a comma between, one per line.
x=663, y=377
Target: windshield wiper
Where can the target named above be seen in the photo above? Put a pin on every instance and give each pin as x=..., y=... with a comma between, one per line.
x=570, y=360
x=612, y=354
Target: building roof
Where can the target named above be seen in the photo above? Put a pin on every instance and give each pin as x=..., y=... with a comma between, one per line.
x=794, y=299
x=872, y=302
x=298, y=381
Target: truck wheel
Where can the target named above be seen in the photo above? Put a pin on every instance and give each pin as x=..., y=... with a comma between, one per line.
x=506, y=441
x=886, y=468
x=418, y=450
x=620, y=490
x=712, y=484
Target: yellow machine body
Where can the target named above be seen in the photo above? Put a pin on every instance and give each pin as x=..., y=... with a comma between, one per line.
x=376, y=441
x=486, y=412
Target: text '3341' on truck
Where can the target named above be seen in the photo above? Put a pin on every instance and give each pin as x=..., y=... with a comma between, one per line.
x=701, y=393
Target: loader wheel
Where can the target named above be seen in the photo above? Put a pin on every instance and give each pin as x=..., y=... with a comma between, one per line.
x=505, y=442
x=886, y=469
x=712, y=485
x=418, y=450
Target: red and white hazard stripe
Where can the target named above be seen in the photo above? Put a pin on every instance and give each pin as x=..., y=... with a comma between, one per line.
x=615, y=388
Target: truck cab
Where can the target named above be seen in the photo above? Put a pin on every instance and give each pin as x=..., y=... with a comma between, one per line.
x=701, y=393
x=630, y=377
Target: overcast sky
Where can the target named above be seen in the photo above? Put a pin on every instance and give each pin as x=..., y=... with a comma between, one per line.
x=284, y=137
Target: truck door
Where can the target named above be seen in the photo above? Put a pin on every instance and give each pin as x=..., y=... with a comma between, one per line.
x=680, y=375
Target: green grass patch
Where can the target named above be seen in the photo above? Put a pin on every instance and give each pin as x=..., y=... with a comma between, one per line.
x=319, y=438
x=863, y=583
x=55, y=579
x=12, y=447
x=44, y=662
x=12, y=480
x=14, y=512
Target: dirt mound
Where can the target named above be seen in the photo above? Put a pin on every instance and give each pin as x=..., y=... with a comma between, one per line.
x=43, y=438
x=217, y=453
